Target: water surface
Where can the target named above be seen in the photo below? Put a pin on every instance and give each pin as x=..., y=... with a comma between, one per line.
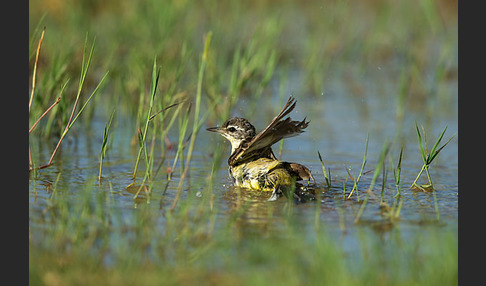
x=340, y=123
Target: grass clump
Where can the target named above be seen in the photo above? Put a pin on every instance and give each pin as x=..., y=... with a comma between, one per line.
x=428, y=157
x=143, y=134
x=74, y=116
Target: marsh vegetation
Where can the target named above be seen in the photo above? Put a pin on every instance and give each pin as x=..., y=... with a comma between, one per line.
x=126, y=187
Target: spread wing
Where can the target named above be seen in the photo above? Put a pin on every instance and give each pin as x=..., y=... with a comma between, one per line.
x=277, y=130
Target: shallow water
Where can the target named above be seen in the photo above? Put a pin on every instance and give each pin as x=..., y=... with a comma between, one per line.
x=340, y=122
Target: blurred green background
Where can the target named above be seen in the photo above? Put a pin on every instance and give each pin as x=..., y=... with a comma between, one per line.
x=313, y=39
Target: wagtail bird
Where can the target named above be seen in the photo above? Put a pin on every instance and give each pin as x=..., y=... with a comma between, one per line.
x=252, y=163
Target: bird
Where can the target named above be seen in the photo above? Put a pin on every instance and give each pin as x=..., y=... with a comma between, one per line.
x=252, y=163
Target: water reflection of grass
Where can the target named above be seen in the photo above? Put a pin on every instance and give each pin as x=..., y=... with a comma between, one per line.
x=259, y=243
x=84, y=237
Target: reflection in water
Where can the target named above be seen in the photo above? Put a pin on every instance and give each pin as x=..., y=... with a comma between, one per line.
x=252, y=213
x=139, y=192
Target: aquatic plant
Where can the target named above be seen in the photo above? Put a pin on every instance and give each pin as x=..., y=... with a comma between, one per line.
x=356, y=181
x=104, y=145
x=143, y=134
x=379, y=167
x=326, y=176
x=428, y=157
x=72, y=119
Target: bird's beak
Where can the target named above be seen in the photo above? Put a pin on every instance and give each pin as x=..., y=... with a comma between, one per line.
x=214, y=129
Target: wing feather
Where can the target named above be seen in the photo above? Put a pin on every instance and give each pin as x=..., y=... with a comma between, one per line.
x=277, y=130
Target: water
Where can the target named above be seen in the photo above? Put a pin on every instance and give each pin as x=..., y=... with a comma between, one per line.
x=340, y=123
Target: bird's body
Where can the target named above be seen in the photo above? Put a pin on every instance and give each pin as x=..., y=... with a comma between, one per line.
x=252, y=163
x=263, y=174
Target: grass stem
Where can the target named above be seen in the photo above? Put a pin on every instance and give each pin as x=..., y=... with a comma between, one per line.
x=428, y=157
x=34, y=74
x=355, y=186
x=72, y=119
x=326, y=177
x=196, y=123
x=105, y=141
x=379, y=167
x=155, y=81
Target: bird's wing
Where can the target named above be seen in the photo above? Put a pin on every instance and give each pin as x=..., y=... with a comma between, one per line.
x=277, y=130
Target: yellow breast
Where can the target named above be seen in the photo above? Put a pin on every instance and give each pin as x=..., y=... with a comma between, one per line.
x=262, y=174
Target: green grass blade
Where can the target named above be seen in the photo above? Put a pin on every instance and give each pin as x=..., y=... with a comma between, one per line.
x=422, y=151
x=328, y=182
x=397, y=171
x=88, y=100
x=105, y=141
x=72, y=119
x=155, y=82
x=379, y=166
x=197, y=121
x=434, y=153
x=437, y=142
x=163, y=109
x=355, y=185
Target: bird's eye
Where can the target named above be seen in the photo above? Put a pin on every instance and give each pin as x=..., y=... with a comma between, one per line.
x=231, y=129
